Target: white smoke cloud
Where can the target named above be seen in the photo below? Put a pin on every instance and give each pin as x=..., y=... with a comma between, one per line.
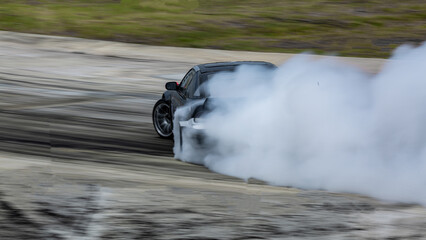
x=319, y=124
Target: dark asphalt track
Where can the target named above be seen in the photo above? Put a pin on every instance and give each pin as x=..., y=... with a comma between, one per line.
x=47, y=115
x=79, y=158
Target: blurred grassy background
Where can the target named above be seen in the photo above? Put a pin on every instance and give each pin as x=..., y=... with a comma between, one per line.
x=365, y=28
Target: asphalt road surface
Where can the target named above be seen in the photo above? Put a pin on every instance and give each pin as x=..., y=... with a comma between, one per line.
x=79, y=158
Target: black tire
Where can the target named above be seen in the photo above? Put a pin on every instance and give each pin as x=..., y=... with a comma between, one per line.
x=162, y=119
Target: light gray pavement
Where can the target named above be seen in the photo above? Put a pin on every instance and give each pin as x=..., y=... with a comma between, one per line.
x=79, y=158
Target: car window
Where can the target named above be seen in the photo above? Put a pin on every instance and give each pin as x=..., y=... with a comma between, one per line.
x=187, y=79
x=222, y=73
x=201, y=89
x=189, y=83
x=193, y=85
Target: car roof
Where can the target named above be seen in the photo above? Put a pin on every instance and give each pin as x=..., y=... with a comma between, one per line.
x=219, y=66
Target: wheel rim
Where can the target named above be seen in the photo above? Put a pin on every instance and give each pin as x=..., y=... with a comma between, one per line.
x=163, y=120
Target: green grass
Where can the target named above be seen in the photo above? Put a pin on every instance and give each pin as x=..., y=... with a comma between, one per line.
x=365, y=28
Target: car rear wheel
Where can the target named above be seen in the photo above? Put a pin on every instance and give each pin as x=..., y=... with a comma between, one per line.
x=162, y=119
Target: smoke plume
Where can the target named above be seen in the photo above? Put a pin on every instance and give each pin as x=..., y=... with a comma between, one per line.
x=319, y=124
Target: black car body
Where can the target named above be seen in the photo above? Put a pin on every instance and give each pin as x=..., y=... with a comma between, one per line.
x=188, y=90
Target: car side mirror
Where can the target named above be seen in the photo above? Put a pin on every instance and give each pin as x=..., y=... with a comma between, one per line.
x=172, y=86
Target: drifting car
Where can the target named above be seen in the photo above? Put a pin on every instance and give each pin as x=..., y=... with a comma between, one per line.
x=188, y=91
